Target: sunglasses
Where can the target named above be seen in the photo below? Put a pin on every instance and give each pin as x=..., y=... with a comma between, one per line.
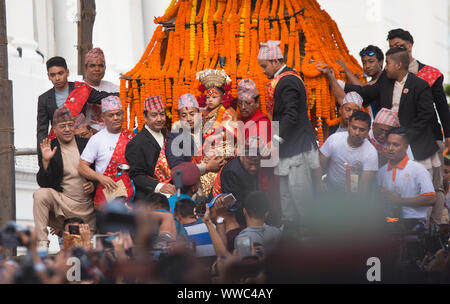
x=367, y=53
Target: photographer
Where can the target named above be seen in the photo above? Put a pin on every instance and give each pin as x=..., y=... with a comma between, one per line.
x=76, y=233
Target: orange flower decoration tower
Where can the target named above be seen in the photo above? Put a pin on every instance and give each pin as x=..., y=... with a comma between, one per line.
x=194, y=35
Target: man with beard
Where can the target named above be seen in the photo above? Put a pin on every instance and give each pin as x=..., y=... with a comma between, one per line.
x=350, y=149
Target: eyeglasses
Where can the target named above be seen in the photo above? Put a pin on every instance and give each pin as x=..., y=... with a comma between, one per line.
x=366, y=53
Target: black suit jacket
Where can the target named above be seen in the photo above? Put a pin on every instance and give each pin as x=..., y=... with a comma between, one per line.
x=47, y=106
x=52, y=177
x=291, y=111
x=142, y=153
x=415, y=112
x=440, y=101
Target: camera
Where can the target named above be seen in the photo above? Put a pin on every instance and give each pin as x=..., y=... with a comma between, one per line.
x=9, y=236
x=74, y=229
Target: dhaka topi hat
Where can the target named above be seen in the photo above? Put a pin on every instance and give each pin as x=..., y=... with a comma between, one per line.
x=353, y=97
x=153, y=103
x=247, y=89
x=80, y=121
x=387, y=117
x=270, y=50
x=111, y=103
x=62, y=115
x=94, y=54
x=187, y=101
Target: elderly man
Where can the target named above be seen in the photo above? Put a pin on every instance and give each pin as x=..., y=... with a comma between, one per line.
x=63, y=193
x=299, y=158
x=94, y=71
x=382, y=124
x=351, y=103
x=107, y=150
x=146, y=152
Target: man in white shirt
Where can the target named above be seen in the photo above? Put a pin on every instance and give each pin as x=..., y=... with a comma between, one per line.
x=405, y=183
x=107, y=150
x=350, y=150
x=94, y=71
x=146, y=152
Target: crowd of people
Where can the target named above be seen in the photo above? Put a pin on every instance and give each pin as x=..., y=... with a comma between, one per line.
x=228, y=194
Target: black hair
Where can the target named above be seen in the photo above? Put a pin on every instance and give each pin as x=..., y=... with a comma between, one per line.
x=185, y=208
x=399, y=55
x=257, y=204
x=361, y=115
x=157, y=200
x=372, y=48
x=400, y=33
x=399, y=131
x=56, y=61
x=72, y=220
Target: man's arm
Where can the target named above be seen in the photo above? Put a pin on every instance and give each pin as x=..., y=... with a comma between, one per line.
x=440, y=102
x=352, y=79
x=323, y=161
x=423, y=200
x=217, y=242
x=97, y=96
x=85, y=170
x=424, y=112
x=369, y=93
x=338, y=92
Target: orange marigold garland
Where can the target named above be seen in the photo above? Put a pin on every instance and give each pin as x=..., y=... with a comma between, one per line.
x=226, y=34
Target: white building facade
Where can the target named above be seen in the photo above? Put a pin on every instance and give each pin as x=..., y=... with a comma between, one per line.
x=40, y=29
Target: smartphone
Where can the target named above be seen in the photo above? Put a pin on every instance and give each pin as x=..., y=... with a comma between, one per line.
x=103, y=241
x=74, y=229
x=230, y=202
x=243, y=246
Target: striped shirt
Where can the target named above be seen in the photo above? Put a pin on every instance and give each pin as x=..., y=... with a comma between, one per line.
x=198, y=232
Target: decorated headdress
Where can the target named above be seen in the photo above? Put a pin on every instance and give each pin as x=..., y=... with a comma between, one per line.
x=270, y=50
x=187, y=101
x=111, y=103
x=214, y=79
x=62, y=115
x=247, y=89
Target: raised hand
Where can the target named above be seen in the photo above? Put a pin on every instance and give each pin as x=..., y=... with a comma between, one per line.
x=47, y=152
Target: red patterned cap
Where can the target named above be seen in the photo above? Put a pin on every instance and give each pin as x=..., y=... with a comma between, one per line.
x=247, y=90
x=62, y=115
x=154, y=103
x=94, y=54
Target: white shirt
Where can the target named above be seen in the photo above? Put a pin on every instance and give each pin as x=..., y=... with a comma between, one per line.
x=159, y=137
x=337, y=149
x=107, y=86
x=397, y=94
x=408, y=179
x=279, y=71
x=100, y=149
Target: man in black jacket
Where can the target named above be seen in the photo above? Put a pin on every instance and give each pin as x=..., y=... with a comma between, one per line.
x=149, y=168
x=411, y=97
x=55, y=98
x=402, y=38
x=63, y=193
x=299, y=158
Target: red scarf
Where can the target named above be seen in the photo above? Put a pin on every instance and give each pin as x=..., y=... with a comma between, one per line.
x=429, y=74
x=75, y=102
x=271, y=85
x=252, y=126
x=117, y=158
x=162, y=168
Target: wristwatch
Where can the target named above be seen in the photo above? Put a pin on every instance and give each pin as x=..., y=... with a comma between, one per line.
x=220, y=220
